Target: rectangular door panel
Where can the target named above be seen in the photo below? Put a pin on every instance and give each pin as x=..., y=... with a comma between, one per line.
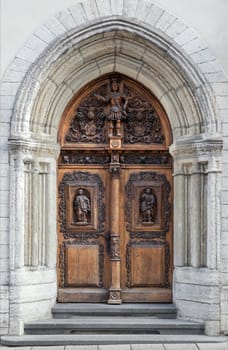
x=83, y=257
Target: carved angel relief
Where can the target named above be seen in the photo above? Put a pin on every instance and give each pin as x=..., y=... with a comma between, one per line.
x=115, y=109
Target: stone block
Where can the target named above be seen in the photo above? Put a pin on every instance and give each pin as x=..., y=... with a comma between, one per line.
x=147, y=347
x=153, y=15
x=4, y=172
x=78, y=14
x=4, y=264
x=55, y=26
x=199, y=276
x=197, y=293
x=165, y=21
x=180, y=347
x=225, y=261
x=202, y=56
x=90, y=9
x=222, y=102
x=4, y=277
x=128, y=48
x=117, y=7
x=67, y=20
x=4, y=251
x=198, y=311
x=224, y=251
x=4, y=223
x=4, y=211
x=213, y=346
x=220, y=88
x=224, y=276
x=45, y=34
x=25, y=277
x=17, y=76
x=7, y=102
x=194, y=46
x=104, y=8
x=33, y=293
x=115, y=347
x=4, y=319
x=52, y=347
x=176, y=28
x=36, y=44
x=185, y=36
x=212, y=328
x=4, y=331
x=129, y=8
x=5, y=125
x=9, y=89
x=82, y=347
x=143, y=9
x=102, y=48
x=32, y=311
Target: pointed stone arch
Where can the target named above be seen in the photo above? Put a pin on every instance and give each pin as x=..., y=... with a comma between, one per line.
x=144, y=42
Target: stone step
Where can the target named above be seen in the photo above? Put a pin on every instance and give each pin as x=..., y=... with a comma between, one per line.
x=101, y=339
x=116, y=325
x=74, y=310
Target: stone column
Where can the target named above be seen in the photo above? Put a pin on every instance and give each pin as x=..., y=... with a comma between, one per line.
x=32, y=231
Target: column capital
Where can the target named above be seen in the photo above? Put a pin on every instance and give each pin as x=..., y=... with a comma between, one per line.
x=188, y=149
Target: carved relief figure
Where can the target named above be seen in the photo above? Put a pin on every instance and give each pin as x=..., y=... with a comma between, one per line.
x=82, y=207
x=90, y=128
x=118, y=104
x=148, y=206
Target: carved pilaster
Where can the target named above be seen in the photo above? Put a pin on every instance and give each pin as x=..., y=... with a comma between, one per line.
x=197, y=173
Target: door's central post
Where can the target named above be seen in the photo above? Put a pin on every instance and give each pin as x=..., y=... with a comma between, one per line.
x=114, y=290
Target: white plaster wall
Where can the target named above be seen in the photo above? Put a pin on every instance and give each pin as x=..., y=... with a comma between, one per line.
x=207, y=17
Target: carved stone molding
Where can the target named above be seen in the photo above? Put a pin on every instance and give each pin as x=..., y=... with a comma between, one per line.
x=196, y=149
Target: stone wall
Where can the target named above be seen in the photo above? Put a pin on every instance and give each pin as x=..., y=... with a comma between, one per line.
x=141, y=40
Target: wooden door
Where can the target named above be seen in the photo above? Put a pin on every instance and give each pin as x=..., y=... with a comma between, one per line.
x=114, y=196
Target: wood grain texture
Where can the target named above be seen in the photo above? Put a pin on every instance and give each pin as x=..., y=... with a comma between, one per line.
x=118, y=246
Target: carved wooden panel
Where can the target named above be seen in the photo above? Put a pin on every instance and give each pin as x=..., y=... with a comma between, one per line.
x=81, y=205
x=147, y=203
x=114, y=204
x=82, y=263
x=115, y=107
x=147, y=264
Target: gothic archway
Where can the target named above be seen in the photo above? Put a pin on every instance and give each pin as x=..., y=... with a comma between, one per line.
x=145, y=46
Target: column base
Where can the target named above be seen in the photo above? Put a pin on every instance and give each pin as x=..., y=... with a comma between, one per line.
x=114, y=296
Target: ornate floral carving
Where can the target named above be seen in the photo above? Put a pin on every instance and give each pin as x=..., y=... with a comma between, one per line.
x=142, y=124
x=145, y=158
x=88, y=124
x=147, y=235
x=142, y=243
x=63, y=263
x=114, y=295
x=114, y=248
x=81, y=157
x=81, y=178
x=101, y=113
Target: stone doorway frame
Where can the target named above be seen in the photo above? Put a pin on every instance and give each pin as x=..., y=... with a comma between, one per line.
x=142, y=41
